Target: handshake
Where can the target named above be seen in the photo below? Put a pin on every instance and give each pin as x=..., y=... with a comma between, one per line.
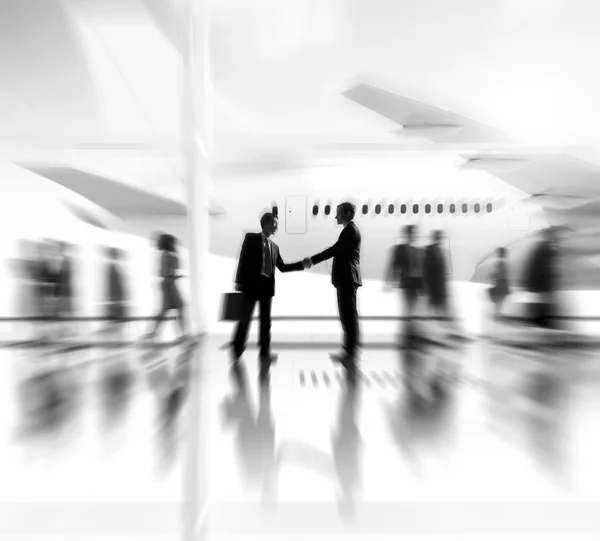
x=307, y=263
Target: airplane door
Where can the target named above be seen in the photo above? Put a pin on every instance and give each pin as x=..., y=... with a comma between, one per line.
x=295, y=214
x=518, y=217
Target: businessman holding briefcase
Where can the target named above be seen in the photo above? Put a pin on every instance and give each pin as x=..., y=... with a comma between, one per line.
x=256, y=279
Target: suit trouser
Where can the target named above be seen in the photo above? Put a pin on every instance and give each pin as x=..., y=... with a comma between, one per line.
x=243, y=326
x=346, y=298
x=411, y=295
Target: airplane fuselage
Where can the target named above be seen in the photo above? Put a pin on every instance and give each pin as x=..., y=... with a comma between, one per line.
x=476, y=212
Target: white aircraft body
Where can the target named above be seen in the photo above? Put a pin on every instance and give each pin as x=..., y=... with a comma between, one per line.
x=476, y=211
x=480, y=199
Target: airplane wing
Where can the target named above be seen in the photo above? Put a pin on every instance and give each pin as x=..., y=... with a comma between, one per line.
x=421, y=120
x=550, y=175
x=124, y=201
x=568, y=189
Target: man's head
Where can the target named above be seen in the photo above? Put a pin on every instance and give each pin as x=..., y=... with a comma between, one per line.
x=436, y=236
x=269, y=224
x=409, y=231
x=345, y=213
x=113, y=253
x=501, y=252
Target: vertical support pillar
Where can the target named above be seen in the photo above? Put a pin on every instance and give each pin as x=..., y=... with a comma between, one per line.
x=196, y=145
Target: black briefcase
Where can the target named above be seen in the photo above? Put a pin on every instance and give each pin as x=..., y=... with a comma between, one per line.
x=233, y=306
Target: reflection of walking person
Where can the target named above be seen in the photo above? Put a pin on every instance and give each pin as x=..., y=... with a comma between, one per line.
x=171, y=299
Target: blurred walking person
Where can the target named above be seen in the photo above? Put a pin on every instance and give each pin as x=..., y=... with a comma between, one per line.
x=115, y=293
x=500, y=284
x=171, y=298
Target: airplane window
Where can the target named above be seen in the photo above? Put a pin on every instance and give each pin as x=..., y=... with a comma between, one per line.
x=391, y=209
x=315, y=210
x=464, y=208
x=488, y=207
x=452, y=208
x=403, y=209
x=427, y=208
x=415, y=209
x=275, y=211
x=365, y=209
x=440, y=208
x=377, y=209
x=477, y=207
x=327, y=210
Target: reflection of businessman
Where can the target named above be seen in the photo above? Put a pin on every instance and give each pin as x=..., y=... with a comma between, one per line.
x=255, y=434
x=346, y=278
x=256, y=277
x=346, y=444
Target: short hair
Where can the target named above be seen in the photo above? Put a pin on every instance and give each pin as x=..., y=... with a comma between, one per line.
x=167, y=242
x=348, y=208
x=171, y=243
x=501, y=251
x=267, y=217
x=161, y=242
x=437, y=234
x=409, y=229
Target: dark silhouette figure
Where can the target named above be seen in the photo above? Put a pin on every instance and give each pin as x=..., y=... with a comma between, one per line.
x=64, y=282
x=541, y=277
x=116, y=292
x=346, y=278
x=405, y=270
x=171, y=299
x=500, y=283
x=256, y=278
x=435, y=275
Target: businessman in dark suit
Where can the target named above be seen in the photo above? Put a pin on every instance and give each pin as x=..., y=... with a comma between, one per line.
x=405, y=270
x=542, y=278
x=434, y=275
x=256, y=278
x=346, y=278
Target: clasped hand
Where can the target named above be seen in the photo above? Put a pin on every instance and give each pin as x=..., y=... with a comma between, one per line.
x=307, y=263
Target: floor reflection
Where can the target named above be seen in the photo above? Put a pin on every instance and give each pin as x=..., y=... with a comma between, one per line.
x=346, y=445
x=422, y=420
x=64, y=393
x=254, y=434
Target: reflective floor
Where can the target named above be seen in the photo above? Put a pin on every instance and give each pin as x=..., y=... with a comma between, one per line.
x=91, y=436
x=452, y=438
x=479, y=431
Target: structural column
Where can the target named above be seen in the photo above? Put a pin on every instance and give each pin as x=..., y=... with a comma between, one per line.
x=196, y=145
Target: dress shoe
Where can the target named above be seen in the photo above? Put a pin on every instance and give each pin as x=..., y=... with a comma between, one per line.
x=337, y=358
x=234, y=358
x=270, y=358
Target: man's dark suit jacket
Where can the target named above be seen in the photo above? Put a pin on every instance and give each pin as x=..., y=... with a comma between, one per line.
x=346, y=258
x=541, y=272
x=248, y=276
x=399, y=271
x=434, y=271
